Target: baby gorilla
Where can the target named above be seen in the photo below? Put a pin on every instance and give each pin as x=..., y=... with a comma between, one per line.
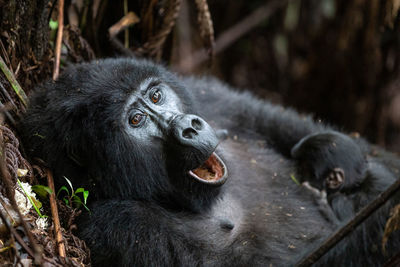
x=337, y=173
x=330, y=161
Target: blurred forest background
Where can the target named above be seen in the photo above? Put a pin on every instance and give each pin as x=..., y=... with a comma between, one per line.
x=336, y=59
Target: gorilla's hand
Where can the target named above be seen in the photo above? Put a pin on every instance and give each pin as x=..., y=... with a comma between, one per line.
x=330, y=161
x=321, y=199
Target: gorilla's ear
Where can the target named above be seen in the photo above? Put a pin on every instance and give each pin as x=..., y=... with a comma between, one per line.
x=335, y=179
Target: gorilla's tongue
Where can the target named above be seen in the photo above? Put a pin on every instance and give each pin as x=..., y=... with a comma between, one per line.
x=212, y=171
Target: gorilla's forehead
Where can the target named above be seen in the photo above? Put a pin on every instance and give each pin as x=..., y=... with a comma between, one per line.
x=139, y=100
x=128, y=75
x=109, y=86
x=124, y=76
x=148, y=83
x=172, y=103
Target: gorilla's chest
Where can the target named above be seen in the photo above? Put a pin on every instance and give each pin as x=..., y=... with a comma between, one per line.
x=260, y=202
x=258, y=176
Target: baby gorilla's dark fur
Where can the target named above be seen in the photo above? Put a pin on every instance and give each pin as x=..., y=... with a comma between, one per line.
x=339, y=175
x=121, y=127
x=331, y=161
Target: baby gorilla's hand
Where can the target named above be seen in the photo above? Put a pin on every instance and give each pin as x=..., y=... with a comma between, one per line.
x=321, y=199
x=330, y=161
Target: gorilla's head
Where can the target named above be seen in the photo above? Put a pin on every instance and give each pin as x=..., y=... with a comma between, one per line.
x=331, y=161
x=129, y=126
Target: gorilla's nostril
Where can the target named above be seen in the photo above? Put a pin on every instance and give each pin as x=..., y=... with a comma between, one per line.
x=196, y=123
x=189, y=133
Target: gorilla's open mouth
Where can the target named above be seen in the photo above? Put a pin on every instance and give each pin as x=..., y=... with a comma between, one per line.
x=213, y=171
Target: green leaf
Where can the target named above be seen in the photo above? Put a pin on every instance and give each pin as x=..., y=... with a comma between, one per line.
x=42, y=190
x=79, y=190
x=294, y=179
x=66, y=201
x=63, y=188
x=38, y=204
x=85, y=196
x=84, y=192
x=31, y=200
x=77, y=201
x=70, y=184
x=53, y=24
x=14, y=83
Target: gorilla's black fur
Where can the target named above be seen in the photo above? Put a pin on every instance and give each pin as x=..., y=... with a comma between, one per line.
x=121, y=128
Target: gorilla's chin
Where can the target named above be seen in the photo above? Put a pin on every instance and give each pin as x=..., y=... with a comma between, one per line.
x=212, y=172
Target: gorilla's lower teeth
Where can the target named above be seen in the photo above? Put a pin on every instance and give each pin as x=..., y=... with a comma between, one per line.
x=210, y=170
x=204, y=173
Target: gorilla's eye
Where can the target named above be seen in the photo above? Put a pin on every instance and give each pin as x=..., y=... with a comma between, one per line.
x=136, y=119
x=156, y=96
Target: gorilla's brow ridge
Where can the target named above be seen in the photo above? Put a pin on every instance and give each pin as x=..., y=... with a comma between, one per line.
x=148, y=84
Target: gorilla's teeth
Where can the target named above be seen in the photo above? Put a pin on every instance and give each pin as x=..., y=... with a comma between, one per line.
x=205, y=173
x=212, y=171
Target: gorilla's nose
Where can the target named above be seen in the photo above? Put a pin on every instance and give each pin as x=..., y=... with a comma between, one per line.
x=191, y=130
x=194, y=125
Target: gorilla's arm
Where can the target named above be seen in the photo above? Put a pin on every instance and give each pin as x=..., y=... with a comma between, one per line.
x=131, y=233
x=238, y=112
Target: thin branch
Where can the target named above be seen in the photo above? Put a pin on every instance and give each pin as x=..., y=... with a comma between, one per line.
x=56, y=69
x=54, y=214
x=14, y=84
x=126, y=29
x=350, y=226
x=128, y=20
x=234, y=33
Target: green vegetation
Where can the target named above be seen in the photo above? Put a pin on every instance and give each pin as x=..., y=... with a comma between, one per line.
x=72, y=199
x=35, y=203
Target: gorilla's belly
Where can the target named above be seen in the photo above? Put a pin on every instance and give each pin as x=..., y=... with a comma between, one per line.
x=258, y=206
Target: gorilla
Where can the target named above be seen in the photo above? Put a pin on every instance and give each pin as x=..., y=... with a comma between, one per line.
x=335, y=170
x=167, y=189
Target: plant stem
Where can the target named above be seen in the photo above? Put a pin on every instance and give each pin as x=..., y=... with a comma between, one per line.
x=30, y=199
x=14, y=84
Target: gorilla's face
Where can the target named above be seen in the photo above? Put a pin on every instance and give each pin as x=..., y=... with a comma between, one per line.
x=147, y=134
x=128, y=126
x=154, y=117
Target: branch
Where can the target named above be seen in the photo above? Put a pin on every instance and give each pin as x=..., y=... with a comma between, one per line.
x=128, y=20
x=350, y=226
x=56, y=69
x=233, y=34
x=54, y=214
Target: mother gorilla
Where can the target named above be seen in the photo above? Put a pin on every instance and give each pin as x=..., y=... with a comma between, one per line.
x=163, y=193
